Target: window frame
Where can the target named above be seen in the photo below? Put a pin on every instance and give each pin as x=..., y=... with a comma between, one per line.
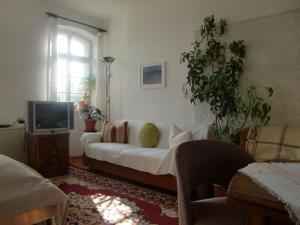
x=69, y=58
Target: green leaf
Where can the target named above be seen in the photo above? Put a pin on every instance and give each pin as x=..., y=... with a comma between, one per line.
x=270, y=91
x=222, y=26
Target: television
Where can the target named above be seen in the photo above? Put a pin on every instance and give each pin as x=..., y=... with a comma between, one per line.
x=49, y=117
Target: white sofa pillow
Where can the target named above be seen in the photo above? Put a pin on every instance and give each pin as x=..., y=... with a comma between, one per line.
x=177, y=136
x=200, y=132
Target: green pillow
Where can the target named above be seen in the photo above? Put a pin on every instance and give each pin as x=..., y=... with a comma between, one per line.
x=149, y=136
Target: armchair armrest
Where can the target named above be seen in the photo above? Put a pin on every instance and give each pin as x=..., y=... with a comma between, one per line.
x=87, y=138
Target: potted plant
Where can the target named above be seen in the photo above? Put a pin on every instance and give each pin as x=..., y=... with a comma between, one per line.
x=215, y=69
x=90, y=116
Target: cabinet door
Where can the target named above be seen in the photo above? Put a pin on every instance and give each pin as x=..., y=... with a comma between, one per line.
x=32, y=151
x=53, y=159
x=63, y=155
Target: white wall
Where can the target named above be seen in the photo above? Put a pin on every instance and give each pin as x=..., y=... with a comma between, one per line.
x=117, y=46
x=159, y=30
x=23, y=39
x=271, y=62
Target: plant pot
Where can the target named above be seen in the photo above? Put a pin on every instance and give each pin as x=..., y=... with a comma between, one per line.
x=90, y=125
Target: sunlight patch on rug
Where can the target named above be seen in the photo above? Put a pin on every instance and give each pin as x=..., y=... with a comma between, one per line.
x=113, y=209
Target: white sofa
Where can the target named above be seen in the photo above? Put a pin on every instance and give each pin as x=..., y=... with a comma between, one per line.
x=156, y=161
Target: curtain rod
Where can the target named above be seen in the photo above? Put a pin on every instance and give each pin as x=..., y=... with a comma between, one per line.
x=74, y=21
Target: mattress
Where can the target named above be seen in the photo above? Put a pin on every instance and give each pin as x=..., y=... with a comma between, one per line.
x=22, y=189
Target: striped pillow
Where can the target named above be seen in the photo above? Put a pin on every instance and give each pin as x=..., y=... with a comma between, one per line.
x=116, y=132
x=109, y=133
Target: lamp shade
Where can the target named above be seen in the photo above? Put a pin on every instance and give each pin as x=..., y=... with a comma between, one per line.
x=108, y=59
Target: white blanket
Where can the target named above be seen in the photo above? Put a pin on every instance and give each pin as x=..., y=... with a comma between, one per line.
x=282, y=180
x=156, y=161
x=22, y=189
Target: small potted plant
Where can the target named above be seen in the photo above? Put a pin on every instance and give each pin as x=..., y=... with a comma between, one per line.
x=90, y=116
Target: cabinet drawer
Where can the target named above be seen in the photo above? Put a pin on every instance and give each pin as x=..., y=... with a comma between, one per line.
x=53, y=139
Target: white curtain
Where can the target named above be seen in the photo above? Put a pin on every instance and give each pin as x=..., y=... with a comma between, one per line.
x=98, y=71
x=52, y=58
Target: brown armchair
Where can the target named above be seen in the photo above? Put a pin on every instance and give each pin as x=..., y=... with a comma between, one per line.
x=204, y=162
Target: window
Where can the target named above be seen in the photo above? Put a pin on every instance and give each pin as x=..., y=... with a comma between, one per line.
x=74, y=62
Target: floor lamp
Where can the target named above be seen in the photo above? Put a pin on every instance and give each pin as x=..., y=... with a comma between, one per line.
x=107, y=60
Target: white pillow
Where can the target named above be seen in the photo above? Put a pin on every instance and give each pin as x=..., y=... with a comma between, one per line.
x=177, y=136
x=200, y=132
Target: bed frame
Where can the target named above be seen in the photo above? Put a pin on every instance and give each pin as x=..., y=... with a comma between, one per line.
x=34, y=216
x=167, y=181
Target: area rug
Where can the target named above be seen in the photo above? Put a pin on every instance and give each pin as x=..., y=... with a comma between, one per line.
x=96, y=199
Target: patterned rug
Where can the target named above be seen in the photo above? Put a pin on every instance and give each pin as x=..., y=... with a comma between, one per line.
x=95, y=199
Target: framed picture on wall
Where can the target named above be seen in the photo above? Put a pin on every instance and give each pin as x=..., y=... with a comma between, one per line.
x=153, y=75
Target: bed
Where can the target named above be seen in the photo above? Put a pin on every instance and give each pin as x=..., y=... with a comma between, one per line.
x=26, y=197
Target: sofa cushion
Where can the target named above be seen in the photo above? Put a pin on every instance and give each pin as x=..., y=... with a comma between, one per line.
x=134, y=126
x=177, y=136
x=109, y=132
x=115, y=132
x=274, y=142
x=122, y=132
x=291, y=144
x=149, y=136
x=201, y=132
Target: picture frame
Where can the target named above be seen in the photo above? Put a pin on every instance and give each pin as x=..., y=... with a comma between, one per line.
x=153, y=75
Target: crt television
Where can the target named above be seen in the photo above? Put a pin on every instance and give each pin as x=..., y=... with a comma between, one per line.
x=48, y=117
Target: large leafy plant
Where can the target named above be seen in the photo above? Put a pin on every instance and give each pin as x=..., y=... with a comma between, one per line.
x=215, y=69
x=88, y=85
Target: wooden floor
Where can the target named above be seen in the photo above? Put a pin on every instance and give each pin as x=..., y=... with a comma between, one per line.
x=76, y=161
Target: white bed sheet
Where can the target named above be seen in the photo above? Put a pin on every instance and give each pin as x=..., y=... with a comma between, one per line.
x=22, y=189
x=281, y=180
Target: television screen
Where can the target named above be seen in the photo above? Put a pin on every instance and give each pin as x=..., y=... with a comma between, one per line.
x=51, y=116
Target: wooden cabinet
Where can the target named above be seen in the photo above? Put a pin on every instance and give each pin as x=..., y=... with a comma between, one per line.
x=48, y=154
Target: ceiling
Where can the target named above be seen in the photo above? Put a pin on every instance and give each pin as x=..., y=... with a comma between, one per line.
x=98, y=9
